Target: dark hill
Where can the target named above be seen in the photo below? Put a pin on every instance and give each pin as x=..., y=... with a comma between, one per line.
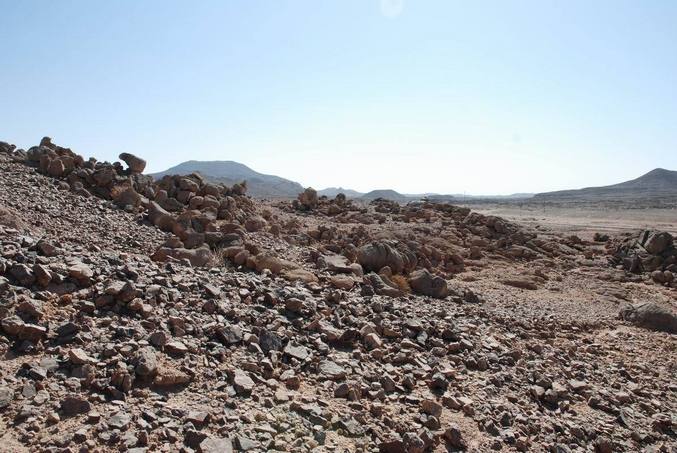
x=229, y=172
x=331, y=192
x=384, y=193
x=658, y=183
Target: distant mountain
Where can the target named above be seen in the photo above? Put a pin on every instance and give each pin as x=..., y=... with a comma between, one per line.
x=657, y=183
x=229, y=173
x=458, y=197
x=331, y=192
x=384, y=193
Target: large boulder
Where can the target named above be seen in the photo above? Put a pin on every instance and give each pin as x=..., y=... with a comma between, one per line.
x=651, y=316
x=56, y=168
x=6, y=147
x=159, y=217
x=125, y=196
x=424, y=283
x=135, y=164
x=658, y=243
x=377, y=255
x=308, y=199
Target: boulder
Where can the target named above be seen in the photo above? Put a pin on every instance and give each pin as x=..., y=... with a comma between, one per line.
x=273, y=263
x=146, y=362
x=255, y=223
x=658, y=243
x=380, y=287
x=56, y=168
x=74, y=405
x=135, y=164
x=522, y=283
x=198, y=257
x=651, y=316
x=216, y=445
x=335, y=263
x=424, y=283
x=160, y=218
x=377, y=255
x=299, y=275
x=125, y=196
x=308, y=199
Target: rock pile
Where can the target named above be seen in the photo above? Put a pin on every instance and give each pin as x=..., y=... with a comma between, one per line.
x=89, y=177
x=186, y=206
x=652, y=252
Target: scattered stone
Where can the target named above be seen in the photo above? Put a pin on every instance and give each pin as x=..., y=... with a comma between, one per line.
x=74, y=405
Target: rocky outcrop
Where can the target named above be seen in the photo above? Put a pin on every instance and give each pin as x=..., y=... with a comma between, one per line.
x=652, y=252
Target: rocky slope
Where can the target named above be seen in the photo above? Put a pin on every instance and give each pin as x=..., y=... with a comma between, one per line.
x=181, y=315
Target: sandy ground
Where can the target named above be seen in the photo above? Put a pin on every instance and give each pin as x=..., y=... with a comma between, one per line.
x=585, y=220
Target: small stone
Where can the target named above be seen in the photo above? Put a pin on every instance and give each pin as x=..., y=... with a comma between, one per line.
x=74, y=405
x=216, y=445
x=373, y=341
x=454, y=436
x=298, y=352
x=331, y=370
x=146, y=362
x=6, y=397
x=431, y=407
x=242, y=383
x=176, y=347
x=170, y=376
x=119, y=421
x=78, y=356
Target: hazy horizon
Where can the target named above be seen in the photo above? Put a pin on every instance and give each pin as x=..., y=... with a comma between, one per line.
x=491, y=98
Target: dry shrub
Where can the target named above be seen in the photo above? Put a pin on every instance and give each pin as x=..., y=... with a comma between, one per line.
x=401, y=282
x=217, y=257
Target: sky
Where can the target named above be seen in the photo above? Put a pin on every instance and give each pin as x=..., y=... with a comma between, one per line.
x=481, y=97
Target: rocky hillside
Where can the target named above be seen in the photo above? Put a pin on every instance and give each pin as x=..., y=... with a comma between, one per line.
x=229, y=173
x=181, y=315
x=658, y=183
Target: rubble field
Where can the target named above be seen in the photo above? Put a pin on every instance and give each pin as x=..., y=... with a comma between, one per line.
x=180, y=315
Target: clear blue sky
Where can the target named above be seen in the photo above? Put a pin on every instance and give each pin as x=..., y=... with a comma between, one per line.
x=419, y=96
